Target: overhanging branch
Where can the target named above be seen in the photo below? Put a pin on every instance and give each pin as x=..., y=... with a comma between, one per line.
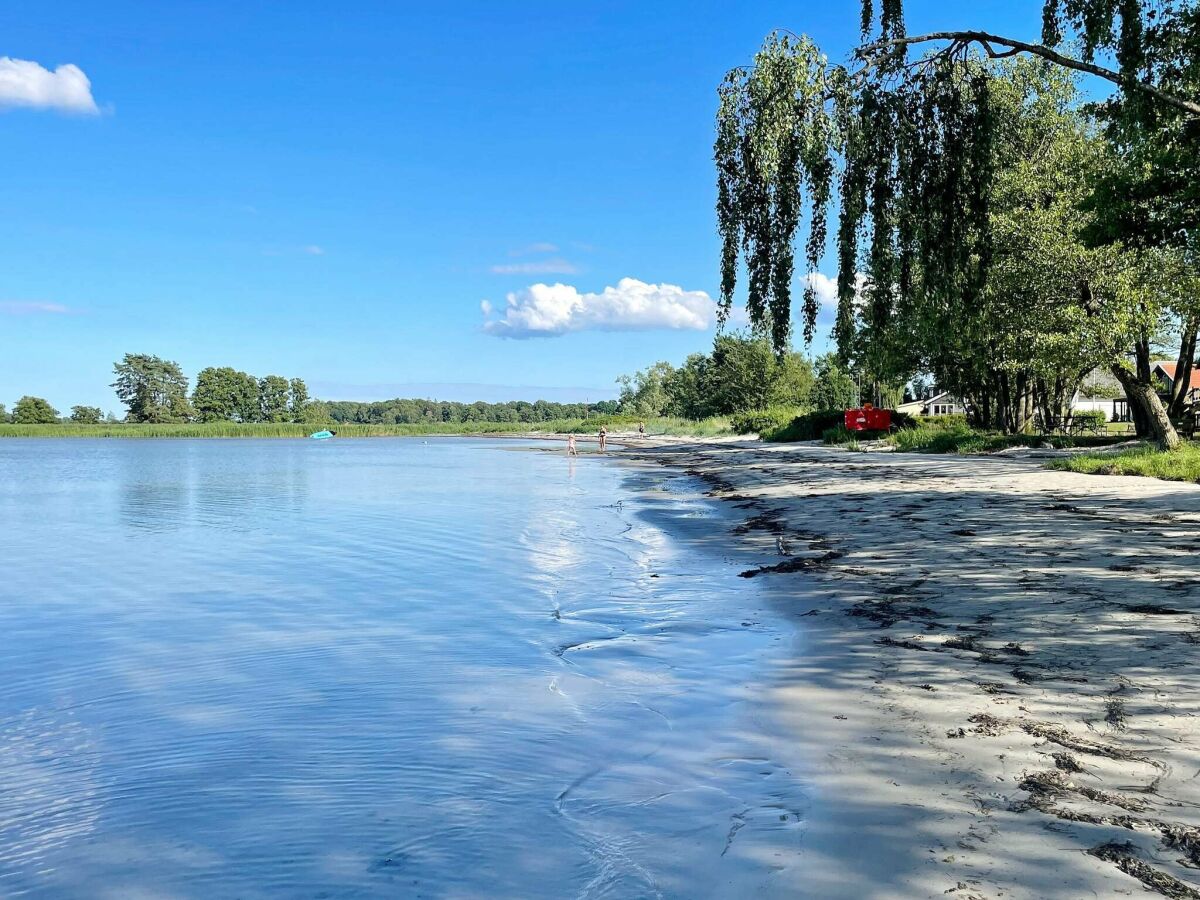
x=986, y=40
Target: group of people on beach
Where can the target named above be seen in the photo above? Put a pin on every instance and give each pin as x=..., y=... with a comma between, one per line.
x=573, y=449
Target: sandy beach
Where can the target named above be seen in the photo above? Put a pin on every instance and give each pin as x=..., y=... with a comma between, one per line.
x=996, y=683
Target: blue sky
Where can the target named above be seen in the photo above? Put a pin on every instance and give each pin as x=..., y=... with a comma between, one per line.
x=330, y=191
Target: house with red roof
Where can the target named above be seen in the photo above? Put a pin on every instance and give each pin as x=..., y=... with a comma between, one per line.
x=1117, y=407
x=1164, y=374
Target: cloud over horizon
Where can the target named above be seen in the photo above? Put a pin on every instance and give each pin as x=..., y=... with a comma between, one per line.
x=538, y=267
x=32, y=308
x=25, y=83
x=545, y=310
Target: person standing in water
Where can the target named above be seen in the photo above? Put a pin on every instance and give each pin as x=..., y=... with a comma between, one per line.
x=603, y=437
x=572, y=450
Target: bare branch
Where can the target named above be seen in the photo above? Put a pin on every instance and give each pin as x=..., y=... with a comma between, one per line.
x=984, y=39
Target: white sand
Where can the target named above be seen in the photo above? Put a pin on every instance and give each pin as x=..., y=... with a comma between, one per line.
x=1063, y=609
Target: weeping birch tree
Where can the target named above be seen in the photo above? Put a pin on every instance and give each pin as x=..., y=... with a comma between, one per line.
x=905, y=136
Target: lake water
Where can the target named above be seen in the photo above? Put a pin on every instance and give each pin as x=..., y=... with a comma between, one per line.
x=379, y=668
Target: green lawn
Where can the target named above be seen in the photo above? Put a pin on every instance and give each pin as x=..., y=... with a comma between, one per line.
x=1180, y=465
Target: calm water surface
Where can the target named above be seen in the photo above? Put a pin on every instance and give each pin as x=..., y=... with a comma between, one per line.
x=378, y=668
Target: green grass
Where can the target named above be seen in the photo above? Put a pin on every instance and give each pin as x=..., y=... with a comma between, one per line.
x=1178, y=465
x=711, y=427
x=961, y=439
x=704, y=428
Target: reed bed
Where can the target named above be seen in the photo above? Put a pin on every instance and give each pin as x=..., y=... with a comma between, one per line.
x=702, y=428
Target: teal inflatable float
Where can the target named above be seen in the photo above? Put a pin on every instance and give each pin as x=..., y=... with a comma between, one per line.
x=322, y=435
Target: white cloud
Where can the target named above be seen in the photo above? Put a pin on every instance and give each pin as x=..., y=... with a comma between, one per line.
x=538, y=247
x=32, y=308
x=540, y=267
x=827, y=288
x=548, y=310
x=314, y=250
x=25, y=83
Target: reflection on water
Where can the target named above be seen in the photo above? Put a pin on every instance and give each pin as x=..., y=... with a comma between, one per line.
x=167, y=487
x=375, y=668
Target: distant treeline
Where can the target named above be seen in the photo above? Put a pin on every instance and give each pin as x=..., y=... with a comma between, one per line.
x=416, y=412
x=156, y=391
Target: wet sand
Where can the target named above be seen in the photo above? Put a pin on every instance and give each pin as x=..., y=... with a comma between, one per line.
x=997, y=684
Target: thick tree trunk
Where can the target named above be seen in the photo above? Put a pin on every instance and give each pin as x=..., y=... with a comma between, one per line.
x=1183, y=370
x=1145, y=404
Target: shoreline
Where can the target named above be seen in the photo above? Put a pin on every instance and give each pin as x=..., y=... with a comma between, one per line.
x=997, y=683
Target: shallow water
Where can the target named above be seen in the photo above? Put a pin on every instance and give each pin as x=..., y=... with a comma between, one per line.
x=378, y=668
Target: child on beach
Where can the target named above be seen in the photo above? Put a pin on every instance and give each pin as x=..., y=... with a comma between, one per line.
x=572, y=450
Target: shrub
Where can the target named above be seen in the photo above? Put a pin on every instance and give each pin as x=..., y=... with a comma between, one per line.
x=758, y=421
x=808, y=427
x=1090, y=418
x=958, y=420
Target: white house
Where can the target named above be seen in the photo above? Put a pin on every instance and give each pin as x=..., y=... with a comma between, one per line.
x=943, y=404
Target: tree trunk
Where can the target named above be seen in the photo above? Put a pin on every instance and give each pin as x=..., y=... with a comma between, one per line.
x=1183, y=369
x=1145, y=404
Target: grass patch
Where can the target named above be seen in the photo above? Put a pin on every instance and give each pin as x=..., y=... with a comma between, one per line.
x=1179, y=465
x=962, y=439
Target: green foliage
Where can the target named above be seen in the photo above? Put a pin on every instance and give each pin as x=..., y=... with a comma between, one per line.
x=425, y=412
x=34, y=411
x=834, y=388
x=842, y=436
x=3, y=414
x=741, y=373
x=707, y=427
x=1090, y=418
x=152, y=389
x=86, y=415
x=225, y=394
x=973, y=197
x=1176, y=465
x=274, y=395
x=298, y=400
x=960, y=438
x=774, y=131
x=807, y=427
x=1101, y=391
x=953, y=421
x=744, y=373
x=760, y=421
x=644, y=393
